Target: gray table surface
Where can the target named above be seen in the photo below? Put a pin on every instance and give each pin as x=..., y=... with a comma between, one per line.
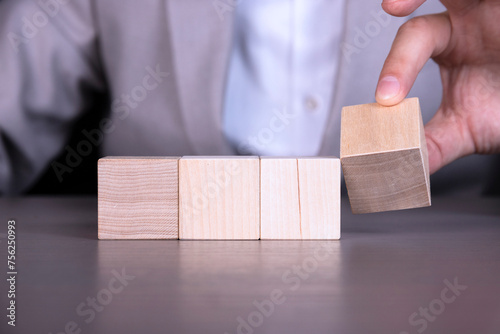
x=390, y=273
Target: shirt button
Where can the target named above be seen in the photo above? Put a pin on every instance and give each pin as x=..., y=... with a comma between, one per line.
x=311, y=104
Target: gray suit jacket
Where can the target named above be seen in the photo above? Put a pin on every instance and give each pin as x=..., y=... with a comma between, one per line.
x=163, y=64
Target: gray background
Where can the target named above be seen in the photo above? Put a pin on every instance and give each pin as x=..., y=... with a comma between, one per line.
x=384, y=269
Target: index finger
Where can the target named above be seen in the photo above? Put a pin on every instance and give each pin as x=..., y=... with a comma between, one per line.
x=459, y=6
x=417, y=40
x=401, y=7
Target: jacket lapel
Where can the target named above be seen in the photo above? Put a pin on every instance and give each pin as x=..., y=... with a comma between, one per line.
x=331, y=139
x=201, y=33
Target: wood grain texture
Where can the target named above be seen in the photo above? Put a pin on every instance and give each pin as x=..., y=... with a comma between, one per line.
x=319, y=189
x=219, y=198
x=384, y=157
x=300, y=198
x=279, y=191
x=138, y=198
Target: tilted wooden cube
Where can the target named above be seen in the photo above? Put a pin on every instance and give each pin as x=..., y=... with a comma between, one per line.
x=384, y=157
x=300, y=198
x=219, y=197
x=138, y=198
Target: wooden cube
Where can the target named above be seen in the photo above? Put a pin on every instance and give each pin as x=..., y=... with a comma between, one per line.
x=300, y=198
x=384, y=157
x=219, y=197
x=138, y=198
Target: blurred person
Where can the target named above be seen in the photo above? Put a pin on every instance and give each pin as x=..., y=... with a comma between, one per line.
x=226, y=77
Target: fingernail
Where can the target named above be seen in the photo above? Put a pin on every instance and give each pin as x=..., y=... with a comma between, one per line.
x=388, y=87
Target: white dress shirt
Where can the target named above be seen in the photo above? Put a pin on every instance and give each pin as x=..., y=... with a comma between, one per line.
x=282, y=75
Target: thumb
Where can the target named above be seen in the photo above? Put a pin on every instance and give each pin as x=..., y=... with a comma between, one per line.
x=447, y=140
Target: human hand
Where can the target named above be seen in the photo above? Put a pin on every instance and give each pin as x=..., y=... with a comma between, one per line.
x=465, y=42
